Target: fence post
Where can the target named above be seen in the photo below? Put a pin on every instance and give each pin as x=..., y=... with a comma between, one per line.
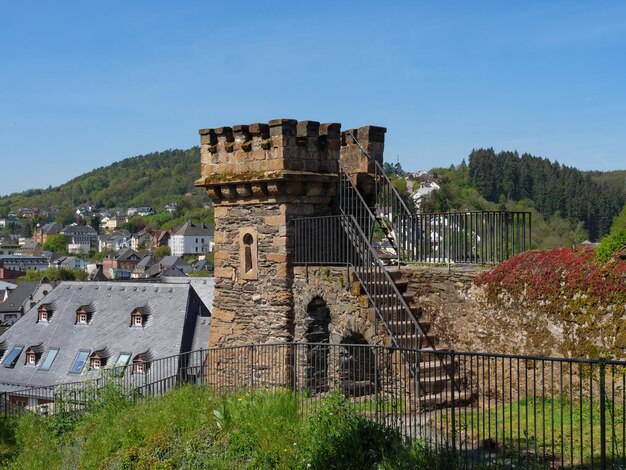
x=251, y=368
x=452, y=378
x=602, y=415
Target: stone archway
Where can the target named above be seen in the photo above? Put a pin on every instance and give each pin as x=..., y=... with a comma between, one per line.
x=317, y=336
x=357, y=366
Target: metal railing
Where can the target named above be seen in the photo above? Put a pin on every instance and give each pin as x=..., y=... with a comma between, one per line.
x=509, y=411
x=473, y=237
x=470, y=237
x=339, y=240
x=154, y=378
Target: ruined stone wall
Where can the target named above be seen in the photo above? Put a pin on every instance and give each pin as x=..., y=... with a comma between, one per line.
x=350, y=313
x=463, y=318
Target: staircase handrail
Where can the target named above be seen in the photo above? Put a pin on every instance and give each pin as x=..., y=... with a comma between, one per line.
x=364, y=208
x=361, y=268
x=380, y=172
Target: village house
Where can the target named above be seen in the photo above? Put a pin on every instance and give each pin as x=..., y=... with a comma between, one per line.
x=30, y=247
x=83, y=328
x=160, y=238
x=24, y=263
x=43, y=232
x=68, y=262
x=145, y=211
x=192, y=240
x=141, y=240
x=8, y=223
x=5, y=289
x=24, y=297
x=81, y=238
x=115, y=241
x=141, y=269
x=120, y=265
x=113, y=222
x=9, y=245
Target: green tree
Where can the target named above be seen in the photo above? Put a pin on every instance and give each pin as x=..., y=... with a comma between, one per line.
x=56, y=243
x=619, y=222
x=56, y=274
x=162, y=252
x=66, y=216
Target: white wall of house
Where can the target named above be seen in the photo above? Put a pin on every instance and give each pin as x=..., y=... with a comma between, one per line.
x=181, y=245
x=78, y=248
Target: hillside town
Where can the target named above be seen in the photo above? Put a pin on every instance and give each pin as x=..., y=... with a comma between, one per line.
x=99, y=246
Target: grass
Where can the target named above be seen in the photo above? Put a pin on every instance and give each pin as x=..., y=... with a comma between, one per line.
x=191, y=427
x=558, y=428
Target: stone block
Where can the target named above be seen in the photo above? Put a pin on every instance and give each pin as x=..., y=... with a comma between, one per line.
x=277, y=257
x=225, y=272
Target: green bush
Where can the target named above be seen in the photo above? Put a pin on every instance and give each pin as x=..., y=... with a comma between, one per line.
x=610, y=244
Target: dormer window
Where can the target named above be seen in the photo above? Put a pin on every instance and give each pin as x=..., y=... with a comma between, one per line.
x=141, y=363
x=33, y=354
x=98, y=359
x=44, y=313
x=139, y=316
x=84, y=314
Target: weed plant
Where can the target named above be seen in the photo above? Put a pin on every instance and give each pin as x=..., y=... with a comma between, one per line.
x=194, y=428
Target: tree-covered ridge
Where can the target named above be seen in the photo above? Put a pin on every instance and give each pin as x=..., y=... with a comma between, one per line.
x=553, y=188
x=154, y=179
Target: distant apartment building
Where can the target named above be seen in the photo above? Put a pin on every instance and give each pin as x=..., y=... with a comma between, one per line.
x=81, y=238
x=192, y=240
x=24, y=263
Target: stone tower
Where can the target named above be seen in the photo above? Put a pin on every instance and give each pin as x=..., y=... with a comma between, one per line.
x=260, y=177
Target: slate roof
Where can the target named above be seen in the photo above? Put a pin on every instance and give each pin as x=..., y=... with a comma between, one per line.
x=145, y=263
x=79, y=229
x=124, y=254
x=51, y=228
x=190, y=230
x=7, y=285
x=177, y=261
x=173, y=327
x=18, y=296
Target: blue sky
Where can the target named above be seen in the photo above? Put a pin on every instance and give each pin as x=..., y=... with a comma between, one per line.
x=84, y=84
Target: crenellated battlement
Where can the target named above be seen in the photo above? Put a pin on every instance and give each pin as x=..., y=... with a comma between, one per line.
x=240, y=161
x=371, y=139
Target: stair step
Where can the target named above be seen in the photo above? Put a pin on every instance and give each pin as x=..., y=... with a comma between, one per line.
x=407, y=326
x=444, y=400
x=401, y=285
x=436, y=366
x=411, y=341
x=395, y=273
x=441, y=384
x=391, y=298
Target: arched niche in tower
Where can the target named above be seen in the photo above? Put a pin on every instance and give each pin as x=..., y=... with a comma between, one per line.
x=248, y=254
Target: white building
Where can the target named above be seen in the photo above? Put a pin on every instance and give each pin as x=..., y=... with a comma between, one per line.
x=192, y=240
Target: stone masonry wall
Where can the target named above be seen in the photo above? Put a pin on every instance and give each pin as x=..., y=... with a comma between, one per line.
x=349, y=311
x=464, y=319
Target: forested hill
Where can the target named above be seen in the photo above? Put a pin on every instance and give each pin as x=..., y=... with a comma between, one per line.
x=153, y=179
x=553, y=188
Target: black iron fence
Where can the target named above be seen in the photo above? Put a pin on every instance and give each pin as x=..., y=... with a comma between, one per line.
x=503, y=410
x=484, y=237
x=149, y=378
